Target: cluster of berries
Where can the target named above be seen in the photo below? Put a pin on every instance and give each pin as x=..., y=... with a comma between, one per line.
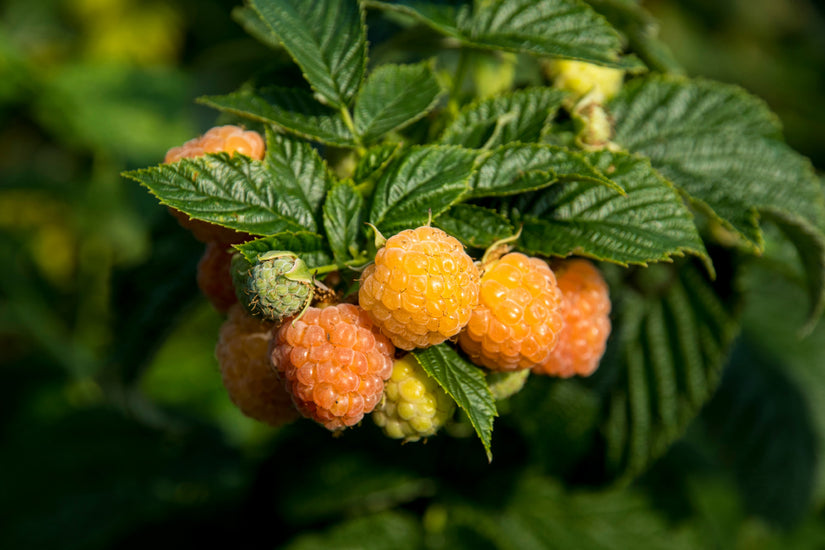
x=282, y=353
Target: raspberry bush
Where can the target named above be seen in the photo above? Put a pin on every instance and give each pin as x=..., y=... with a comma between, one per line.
x=528, y=188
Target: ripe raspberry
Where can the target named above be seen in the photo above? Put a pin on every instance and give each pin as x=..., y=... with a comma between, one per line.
x=518, y=318
x=227, y=139
x=414, y=405
x=278, y=285
x=214, y=277
x=207, y=232
x=585, y=79
x=586, y=311
x=506, y=384
x=334, y=363
x=421, y=288
x=243, y=356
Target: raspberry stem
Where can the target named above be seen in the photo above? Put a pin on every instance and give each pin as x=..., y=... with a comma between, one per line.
x=359, y=146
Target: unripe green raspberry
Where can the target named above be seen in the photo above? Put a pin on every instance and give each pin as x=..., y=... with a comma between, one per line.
x=506, y=384
x=278, y=285
x=414, y=405
x=581, y=79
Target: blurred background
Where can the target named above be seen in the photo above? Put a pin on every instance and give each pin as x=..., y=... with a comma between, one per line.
x=115, y=430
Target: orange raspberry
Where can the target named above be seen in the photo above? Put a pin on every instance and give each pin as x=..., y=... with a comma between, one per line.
x=586, y=311
x=421, y=288
x=215, y=278
x=518, y=318
x=334, y=363
x=207, y=232
x=243, y=356
x=228, y=139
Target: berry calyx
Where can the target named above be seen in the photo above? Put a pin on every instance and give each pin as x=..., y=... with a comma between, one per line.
x=586, y=312
x=243, y=355
x=334, y=362
x=414, y=405
x=215, y=278
x=518, y=318
x=421, y=289
x=276, y=286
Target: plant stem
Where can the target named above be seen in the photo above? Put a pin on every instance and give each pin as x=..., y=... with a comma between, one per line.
x=359, y=147
x=458, y=79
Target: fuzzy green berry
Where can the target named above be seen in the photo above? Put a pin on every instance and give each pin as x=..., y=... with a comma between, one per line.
x=506, y=384
x=414, y=405
x=276, y=286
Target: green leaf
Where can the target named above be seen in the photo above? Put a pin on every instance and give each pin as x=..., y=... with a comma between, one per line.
x=760, y=425
x=474, y=226
x=417, y=181
x=394, y=96
x=374, y=161
x=641, y=30
x=301, y=175
x=720, y=146
x=384, y=531
x=254, y=26
x=311, y=247
x=235, y=192
x=516, y=116
x=327, y=38
x=671, y=347
x=344, y=214
x=541, y=514
x=548, y=28
x=518, y=168
x=444, y=17
x=465, y=383
x=810, y=245
x=560, y=418
x=346, y=483
x=650, y=223
x=291, y=109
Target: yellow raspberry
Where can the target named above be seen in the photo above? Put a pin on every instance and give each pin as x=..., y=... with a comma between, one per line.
x=334, y=363
x=421, y=289
x=252, y=383
x=585, y=79
x=518, y=318
x=586, y=311
x=414, y=405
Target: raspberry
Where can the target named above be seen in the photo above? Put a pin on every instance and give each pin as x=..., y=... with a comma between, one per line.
x=228, y=139
x=334, y=363
x=586, y=311
x=585, y=79
x=506, y=384
x=414, y=405
x=214, y=277
x=276, y=286
x=421, y=288
x=243, y=356
x=518, y=317
x=207, y=232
